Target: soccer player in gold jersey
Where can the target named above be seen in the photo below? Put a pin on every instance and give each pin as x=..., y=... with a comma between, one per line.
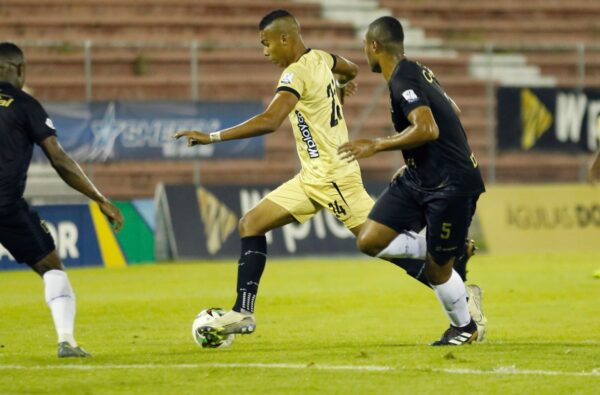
x=306, y=93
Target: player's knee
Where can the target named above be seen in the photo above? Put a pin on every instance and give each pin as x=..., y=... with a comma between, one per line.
x=441, y=258
x=245, y=225
x=438, y=269
x=47, y=263
x=367, y=245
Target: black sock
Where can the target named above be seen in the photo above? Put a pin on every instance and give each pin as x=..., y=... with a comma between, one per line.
x=414, y=268
x=250, y=268
x=460, y=262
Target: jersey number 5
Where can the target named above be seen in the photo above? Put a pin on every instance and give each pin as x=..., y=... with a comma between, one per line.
x=446, y=230
x=336, y=114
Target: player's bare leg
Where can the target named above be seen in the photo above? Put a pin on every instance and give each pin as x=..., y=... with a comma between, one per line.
x=445, y=281
x=404, y=250
x=61, y=301
x=253, y=226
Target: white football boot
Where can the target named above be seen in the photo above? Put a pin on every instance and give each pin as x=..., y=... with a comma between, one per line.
x=476, y=310
x=231, y=322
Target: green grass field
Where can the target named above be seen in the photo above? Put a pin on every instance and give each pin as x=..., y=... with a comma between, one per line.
x=344, y=326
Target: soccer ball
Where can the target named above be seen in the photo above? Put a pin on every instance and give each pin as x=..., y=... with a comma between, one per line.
x=210, y=340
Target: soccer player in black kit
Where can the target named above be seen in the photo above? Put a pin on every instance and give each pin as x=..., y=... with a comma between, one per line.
x=23, y=123
x=441, y=183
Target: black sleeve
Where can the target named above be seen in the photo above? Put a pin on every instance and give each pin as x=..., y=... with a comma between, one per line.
x=408, y=94
x=39, y=124
x=334, y=61
x=288, y=89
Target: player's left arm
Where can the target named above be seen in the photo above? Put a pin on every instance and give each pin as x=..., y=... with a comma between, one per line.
x=594, y=173
x=345, y=72
x=345, y=69
x=71, y=173
x=267, y=122
x=422, y=129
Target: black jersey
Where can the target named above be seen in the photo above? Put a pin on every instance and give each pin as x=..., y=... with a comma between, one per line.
x=446, y=165
x=23, y=122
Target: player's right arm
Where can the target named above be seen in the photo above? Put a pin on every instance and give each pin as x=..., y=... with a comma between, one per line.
x=594, y=174
x=267, y=122
x=422, y=129
x=72, y=174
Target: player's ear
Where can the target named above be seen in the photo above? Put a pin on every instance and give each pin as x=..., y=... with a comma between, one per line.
x=21, y=73
x=284, y=39
x=375, y=46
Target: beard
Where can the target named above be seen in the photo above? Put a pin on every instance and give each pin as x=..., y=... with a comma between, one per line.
x=375, y=67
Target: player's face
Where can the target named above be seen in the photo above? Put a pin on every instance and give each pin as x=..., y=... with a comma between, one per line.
x=371, y=58
x=16, y=73
x=273, y=47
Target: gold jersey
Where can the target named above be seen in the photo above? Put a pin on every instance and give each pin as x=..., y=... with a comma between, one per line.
x=317, y=120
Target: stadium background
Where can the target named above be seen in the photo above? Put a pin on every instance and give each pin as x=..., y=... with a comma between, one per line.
x=119, y=76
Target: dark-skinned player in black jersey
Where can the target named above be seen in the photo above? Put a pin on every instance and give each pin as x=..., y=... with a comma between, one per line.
x=23, y=123
x=305, y=96
x=440, y=185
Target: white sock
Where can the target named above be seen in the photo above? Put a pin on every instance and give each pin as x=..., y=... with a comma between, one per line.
x=406, y=245
x=453, y=297
x=61, y=300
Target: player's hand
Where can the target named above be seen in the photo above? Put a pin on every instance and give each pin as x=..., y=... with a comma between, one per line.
x=357, y=149
x=193, y=138
x=112, y=213
x=398, y=173
x=351, y=88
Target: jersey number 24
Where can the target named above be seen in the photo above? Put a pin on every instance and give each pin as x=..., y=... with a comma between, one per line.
x=336, y=113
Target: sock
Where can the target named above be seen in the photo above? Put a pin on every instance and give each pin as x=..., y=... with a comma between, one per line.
x=460, y=263
x=406, y=245
x=61, y=300
x=250, y=268
x=413, y=267
x=453, y=297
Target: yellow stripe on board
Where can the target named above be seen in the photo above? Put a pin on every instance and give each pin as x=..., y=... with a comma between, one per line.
x=109, y=247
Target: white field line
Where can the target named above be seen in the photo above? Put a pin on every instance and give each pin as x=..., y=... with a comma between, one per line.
x=506, y=370
x=372, y=368
x=511, y=370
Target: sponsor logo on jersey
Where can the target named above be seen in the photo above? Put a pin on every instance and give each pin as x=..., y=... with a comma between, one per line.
x=5, y=100
x=287, y=78
x=410, y=95
x=311, y=146
x=50, y=124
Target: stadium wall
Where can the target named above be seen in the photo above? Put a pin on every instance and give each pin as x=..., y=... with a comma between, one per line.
x=541, y=218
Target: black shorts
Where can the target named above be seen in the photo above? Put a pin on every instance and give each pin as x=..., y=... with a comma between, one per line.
x=24, y=234
x=447, y=217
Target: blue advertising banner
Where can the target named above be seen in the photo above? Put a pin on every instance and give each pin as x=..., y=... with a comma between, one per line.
x=121, y=130
x=74, y=233
x=548, y=119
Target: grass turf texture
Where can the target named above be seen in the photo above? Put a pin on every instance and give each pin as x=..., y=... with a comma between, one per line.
x=544, y=325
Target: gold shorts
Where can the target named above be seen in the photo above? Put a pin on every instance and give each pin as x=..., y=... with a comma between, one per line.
x=345, y=198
